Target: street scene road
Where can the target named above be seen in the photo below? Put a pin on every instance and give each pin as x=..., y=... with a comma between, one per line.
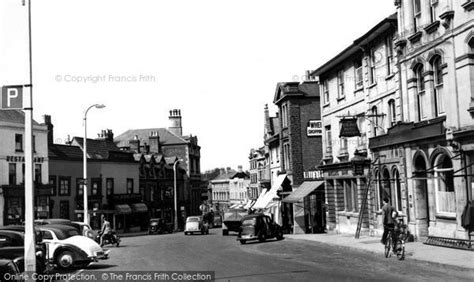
x=284, y=260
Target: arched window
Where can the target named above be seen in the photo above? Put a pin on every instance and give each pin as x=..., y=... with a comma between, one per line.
x=397, y=189
x=437, y=85
x=420, y=91
x=385, y=189
x=392, y=114
x=445, y=194
x=375, y=120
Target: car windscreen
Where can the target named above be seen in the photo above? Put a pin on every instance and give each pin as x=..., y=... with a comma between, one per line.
x=193, y=219
x=250, y=221
x=66, y=233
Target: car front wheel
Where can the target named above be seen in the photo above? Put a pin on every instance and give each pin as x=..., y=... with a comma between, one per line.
x=243, y=242
x=65, y=259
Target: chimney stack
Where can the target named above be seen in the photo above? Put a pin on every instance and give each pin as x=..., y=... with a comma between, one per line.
x=47, y=122
x=134, y=144
x=239, y=168
x=109, y=135
x=175, y=122
x=154, y=141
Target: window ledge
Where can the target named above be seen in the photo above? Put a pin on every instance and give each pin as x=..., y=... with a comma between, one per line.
x=359, y=89
x=400, y=44
x=415, y=37
x=450, y=14
x=469, y=5
x=372, y=85
x=449, y=216
x=390, y=76
x=19, y=151
x=339, y=99
x=432, y=27
x=326, y=105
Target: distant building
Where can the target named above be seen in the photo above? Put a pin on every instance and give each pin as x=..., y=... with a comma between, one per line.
x=170, y=142
x=221, y=190
x=238, y=188
x=12, y=168
x=112, y=182
x=259, y=172
x=272, y=149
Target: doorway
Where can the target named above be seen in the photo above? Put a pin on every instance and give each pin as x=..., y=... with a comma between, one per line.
x=420, y=189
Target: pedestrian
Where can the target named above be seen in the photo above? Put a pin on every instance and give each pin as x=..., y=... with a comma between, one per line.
x=106, y=230
x=387, y=217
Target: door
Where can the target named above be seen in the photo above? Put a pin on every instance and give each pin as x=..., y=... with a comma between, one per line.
x=420, y=191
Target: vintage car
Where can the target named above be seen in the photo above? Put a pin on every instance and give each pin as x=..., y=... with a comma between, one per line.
x=195, y=224
x=10, y=269
x=158, y=226
x=259, y=227
x=85, y=229
x=12, y=248
x=232, y=220
x=68, y=248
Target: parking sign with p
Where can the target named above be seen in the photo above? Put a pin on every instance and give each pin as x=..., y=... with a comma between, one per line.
x=12, y=97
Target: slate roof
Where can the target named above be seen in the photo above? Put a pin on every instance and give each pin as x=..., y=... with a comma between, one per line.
x=226, y=175
x=98, y=149
x=166, y=137
x=64, y=152
x=14, y=116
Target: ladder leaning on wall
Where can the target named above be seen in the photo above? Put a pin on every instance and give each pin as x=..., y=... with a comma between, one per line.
x=367, y=206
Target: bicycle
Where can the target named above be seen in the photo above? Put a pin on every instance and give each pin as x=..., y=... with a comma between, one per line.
x=396, y=238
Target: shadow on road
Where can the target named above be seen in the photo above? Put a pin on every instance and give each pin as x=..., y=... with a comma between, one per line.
x=99, y=266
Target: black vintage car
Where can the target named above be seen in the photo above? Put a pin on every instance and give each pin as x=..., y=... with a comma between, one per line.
x=9, y=270
x=158, y=226
x=258, y=227
x=12, y=248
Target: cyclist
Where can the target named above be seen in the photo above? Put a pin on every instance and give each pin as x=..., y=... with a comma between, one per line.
x=387, y=217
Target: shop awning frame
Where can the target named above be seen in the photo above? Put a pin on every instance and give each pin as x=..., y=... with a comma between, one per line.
x=306, y=188
x=123, y=209
x=139, y=208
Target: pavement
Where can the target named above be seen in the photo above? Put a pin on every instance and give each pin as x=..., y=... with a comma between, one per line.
x=413, y=250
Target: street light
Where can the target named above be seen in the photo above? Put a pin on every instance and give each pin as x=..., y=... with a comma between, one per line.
x=175, y=194
x=84, y=155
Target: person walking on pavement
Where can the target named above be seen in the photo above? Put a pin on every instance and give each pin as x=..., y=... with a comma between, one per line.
x=388, y=221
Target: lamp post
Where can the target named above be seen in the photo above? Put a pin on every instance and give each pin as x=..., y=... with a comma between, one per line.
x=84, y=155
x=175, y=194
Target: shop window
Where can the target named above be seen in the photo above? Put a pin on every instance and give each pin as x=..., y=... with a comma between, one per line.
x=445, y=194
x=12, y=173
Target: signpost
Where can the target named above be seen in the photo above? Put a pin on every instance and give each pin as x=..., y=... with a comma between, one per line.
x=349, y=127
x=12, y=97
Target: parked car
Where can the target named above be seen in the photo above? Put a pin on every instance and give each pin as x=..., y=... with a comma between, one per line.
x=232, y=220
x=12, y=247
x=259, y=227
x=158, y=226
x=68, y=248
x=195, y=224
x=85, y=229
x=10, y=267
x=217, y=220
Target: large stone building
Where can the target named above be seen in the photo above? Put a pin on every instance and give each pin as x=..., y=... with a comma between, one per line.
x=238, y=188
x=170, y=142
x=360, y=90
x=12, y=168
x=435, y=138
x=259, y=172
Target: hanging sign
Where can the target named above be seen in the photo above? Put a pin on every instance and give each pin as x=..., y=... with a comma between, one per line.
x=349, y=127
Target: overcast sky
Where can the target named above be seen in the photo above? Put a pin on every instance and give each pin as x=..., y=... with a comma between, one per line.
x=218, y=61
